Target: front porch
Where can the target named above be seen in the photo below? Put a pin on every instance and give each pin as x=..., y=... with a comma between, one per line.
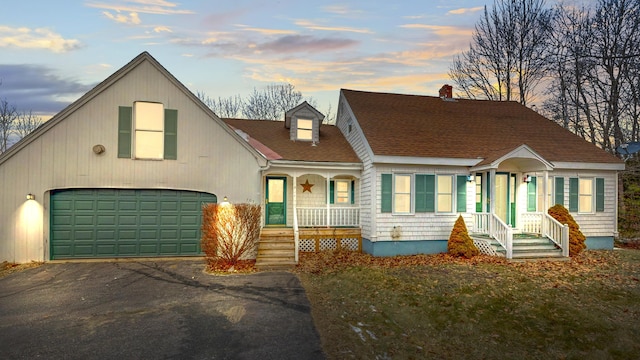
x=539, y=236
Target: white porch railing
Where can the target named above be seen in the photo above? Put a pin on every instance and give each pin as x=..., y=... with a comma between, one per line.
x=557, y=232
x=481, y=223
x=503, y=233
x=338, y=216
x=531, y=222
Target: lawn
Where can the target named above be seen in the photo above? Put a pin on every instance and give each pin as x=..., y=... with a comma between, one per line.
x=436, y=307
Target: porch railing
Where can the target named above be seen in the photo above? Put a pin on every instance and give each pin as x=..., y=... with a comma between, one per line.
x=503, y=233
x=556, y=232
x=338, y=216
x=481, y=223
x=531, y=222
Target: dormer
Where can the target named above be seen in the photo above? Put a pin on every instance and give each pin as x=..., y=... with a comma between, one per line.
x=303, y=122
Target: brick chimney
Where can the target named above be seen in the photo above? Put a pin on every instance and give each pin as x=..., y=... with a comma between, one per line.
x=446, y=91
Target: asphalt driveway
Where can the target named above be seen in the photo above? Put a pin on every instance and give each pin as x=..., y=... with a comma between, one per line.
x=165, y=309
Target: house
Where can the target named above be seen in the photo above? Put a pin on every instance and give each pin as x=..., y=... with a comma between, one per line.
x=124, y=171
x=499, y=164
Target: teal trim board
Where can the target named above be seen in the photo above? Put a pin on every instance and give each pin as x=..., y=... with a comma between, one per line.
x=406, y=247
x=599, y=242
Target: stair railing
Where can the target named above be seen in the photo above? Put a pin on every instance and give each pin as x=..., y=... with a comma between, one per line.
x=503, y=233
x=556, y=232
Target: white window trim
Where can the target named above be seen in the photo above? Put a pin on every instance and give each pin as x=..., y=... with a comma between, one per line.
x=160, y=131
x=335, y=192
x=454, y=194
x=411, y=194
x=593, y=195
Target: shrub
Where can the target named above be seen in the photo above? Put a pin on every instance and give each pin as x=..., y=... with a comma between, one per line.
x=576, y=238
x=230, y=232
x=460, y=244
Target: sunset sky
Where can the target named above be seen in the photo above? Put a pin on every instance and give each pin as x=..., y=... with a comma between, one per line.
x=52, y=52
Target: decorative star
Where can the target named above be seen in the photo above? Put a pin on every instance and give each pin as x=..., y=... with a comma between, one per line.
x=306, y=186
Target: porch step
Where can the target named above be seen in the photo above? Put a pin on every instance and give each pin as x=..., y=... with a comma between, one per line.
x=530, y=248
x=276, y=249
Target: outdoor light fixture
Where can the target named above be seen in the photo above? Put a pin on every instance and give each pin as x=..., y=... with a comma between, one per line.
x=225, y=199
x=30, y=196
x=527, y=178
x=469, y=178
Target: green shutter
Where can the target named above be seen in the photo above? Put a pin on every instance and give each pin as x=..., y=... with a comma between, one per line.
x=599, y=194
x=425, y=193
x=332, y=187
x=461, y=194
x=170, y=134
x=386, y=186
x=531, y=195
x=559, y=191
x=353, y=191
x=124, y=131
x=573, y=194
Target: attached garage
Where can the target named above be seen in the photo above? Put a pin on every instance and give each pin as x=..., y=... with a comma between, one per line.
x=109, y=223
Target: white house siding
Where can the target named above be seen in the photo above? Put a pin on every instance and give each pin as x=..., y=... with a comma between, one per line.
x=367, y=191
x=596, y=223
x=420, y=226
x=209, y=160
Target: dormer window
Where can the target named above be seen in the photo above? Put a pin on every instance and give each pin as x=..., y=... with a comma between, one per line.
x=305, y=129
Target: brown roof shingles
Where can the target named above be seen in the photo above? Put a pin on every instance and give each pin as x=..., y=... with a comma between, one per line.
x=426, y=126
x=332, y=147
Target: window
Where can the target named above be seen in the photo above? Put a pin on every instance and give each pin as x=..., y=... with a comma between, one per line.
x=445, y=193
x=147, y=131
x=402, y=194
x=478, y=193
x=305, y=129
x=342, y=191
x=148, y=120
x=586, y=195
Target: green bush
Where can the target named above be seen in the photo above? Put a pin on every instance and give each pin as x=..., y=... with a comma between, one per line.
x=460, y=244
x=576, y=238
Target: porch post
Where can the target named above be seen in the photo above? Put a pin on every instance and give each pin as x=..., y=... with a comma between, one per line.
x=492, y=196
x=328, y=201
x=296, y=234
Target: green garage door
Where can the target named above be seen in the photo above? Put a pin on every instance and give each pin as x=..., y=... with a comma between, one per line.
x=91, y=223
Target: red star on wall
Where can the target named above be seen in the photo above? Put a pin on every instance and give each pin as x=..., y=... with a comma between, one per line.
x=306, y=186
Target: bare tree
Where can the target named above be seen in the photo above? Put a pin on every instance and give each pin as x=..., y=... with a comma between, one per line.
x=25, y=123
x=230, y=107
x=506, y=57
x=8, y=114
x=272, y=102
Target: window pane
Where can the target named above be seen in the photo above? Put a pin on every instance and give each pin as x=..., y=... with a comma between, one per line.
x=276, y=190
x=149, y=145
x=403, y=184
x=342, y=191
x=305, y=124
x=444, y=184
x=304, y=134
x=585, y=204
x=586, y=186
x=148, y=116
x=444, y=203
x=402, y=203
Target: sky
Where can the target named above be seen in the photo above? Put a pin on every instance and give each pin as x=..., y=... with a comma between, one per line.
x=52, y=52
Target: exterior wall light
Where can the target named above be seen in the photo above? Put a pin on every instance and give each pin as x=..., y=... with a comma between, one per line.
x=469, y=178
x=30, y=196
x=527, y=178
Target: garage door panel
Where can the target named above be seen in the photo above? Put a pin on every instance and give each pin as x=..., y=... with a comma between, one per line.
x=126, y=222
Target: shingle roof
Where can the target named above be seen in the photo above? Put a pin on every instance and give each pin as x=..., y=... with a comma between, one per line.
x=332, y=147
x=427, y=126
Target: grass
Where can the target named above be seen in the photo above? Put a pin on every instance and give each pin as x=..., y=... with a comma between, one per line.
x=438, y=307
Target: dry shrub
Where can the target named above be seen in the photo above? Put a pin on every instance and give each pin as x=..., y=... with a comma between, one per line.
x=460, y=244
x=576, y=238
x=230, y=232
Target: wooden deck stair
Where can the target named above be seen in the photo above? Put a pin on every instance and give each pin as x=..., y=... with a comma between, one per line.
x=276, y=249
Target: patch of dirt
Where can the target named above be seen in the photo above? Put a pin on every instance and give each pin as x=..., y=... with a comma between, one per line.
x=7, y=268
x=220, y=267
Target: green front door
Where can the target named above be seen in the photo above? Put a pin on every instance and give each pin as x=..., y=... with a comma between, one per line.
x=276, y=201
x=89, y=223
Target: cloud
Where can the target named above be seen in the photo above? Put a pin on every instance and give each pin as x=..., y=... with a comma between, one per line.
x=38, y=38
x=341, y=10
x=38, y=88
x=132, y=19
x=157, y=7
x=442, y=30
x=309, y=25
x=159, y=29
x=304, y=43
x=264, y=31
x=463, y=11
